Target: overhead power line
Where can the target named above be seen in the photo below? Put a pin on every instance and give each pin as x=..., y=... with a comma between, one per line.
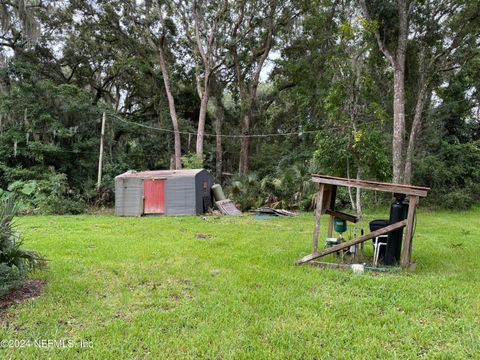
x=212, y=135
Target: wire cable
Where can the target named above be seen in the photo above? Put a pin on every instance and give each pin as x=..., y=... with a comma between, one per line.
x=212, y=135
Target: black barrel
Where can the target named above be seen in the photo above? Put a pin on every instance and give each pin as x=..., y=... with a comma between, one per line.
x=398, y=212
x=377, y=225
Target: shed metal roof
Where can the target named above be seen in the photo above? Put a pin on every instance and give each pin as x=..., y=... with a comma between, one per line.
x=159, y=173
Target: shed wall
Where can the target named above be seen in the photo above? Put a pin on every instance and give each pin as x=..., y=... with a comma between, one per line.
x=180, y=195
x=128, y=197
x=200, y=192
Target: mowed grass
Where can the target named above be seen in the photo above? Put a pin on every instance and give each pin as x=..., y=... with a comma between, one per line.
x=148, y=288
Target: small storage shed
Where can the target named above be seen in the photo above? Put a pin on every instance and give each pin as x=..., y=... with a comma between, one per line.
x=163, y=192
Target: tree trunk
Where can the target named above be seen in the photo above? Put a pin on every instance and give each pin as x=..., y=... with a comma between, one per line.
x=171, y=105
x=206, y=50
x=201, y=119
x=416, y=126
x=399, y=93
x=248, y=88
x=349, y=189
x=245, y=146
x=422, y=96
x=397, y=61
x=219, y=115
x=358, y=197
x=398, y=123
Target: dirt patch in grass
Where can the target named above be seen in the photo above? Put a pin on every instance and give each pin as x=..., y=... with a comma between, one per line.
x=202, y=236
x=28, y=290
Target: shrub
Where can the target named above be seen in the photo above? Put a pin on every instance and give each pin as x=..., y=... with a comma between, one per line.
x=289, y=188
x=9, y=278
x=57, y=205
x=15, y=262
x=48, y=195
x=453, y=174
x=191, y=161
x=245, y=191
x=457, y=200
x=29, y=194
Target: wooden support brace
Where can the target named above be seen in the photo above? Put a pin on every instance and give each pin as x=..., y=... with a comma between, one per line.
x=358, y=240
x=407, y=244
x=342, y=215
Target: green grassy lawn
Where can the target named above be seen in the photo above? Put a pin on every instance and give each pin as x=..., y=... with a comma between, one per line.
x=148, y=288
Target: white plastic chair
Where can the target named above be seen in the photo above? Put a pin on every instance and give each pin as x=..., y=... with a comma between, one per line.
x=376, y=247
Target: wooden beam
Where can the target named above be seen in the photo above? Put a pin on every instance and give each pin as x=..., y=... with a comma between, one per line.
x=371, y=185
x=371, y=182
x=344, y=216
x=407, y=244
x=318, y=213
x=355, y=241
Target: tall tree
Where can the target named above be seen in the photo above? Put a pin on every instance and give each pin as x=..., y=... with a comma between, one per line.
x=161, y=44
x=434, y=32
x=445, y=39
x=204, y=27
x=211, y=53
x=394, y=48
x=218, y=87
x=18, y=21
x=255, y=26
x=354, y=126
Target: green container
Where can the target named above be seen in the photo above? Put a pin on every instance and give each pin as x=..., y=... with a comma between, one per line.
x=340, y=225
x=218, y=192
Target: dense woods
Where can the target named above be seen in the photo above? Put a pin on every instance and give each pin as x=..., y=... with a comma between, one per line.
x=261, y=93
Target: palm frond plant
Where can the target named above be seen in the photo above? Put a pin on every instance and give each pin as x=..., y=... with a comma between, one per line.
x=290, y=188
x=15, y=262
x=293, y=188
x=246, y=192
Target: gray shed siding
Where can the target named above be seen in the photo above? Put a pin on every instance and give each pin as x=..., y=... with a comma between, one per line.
x=180, y=195
x=128, y=197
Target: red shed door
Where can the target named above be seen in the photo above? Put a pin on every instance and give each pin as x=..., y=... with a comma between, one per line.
x=154, y=196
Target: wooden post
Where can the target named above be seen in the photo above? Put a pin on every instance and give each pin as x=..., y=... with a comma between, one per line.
x=330, y=226
x=318, y=213
x=333, y=197
x=407, y=244
x=100, y=157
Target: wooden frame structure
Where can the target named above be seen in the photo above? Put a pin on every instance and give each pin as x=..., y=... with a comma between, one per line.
x=325, y=204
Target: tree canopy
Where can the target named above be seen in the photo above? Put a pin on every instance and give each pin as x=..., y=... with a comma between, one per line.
x=261, y=93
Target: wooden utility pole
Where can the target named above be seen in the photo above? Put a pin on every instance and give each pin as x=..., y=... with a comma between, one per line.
x=100, y=157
